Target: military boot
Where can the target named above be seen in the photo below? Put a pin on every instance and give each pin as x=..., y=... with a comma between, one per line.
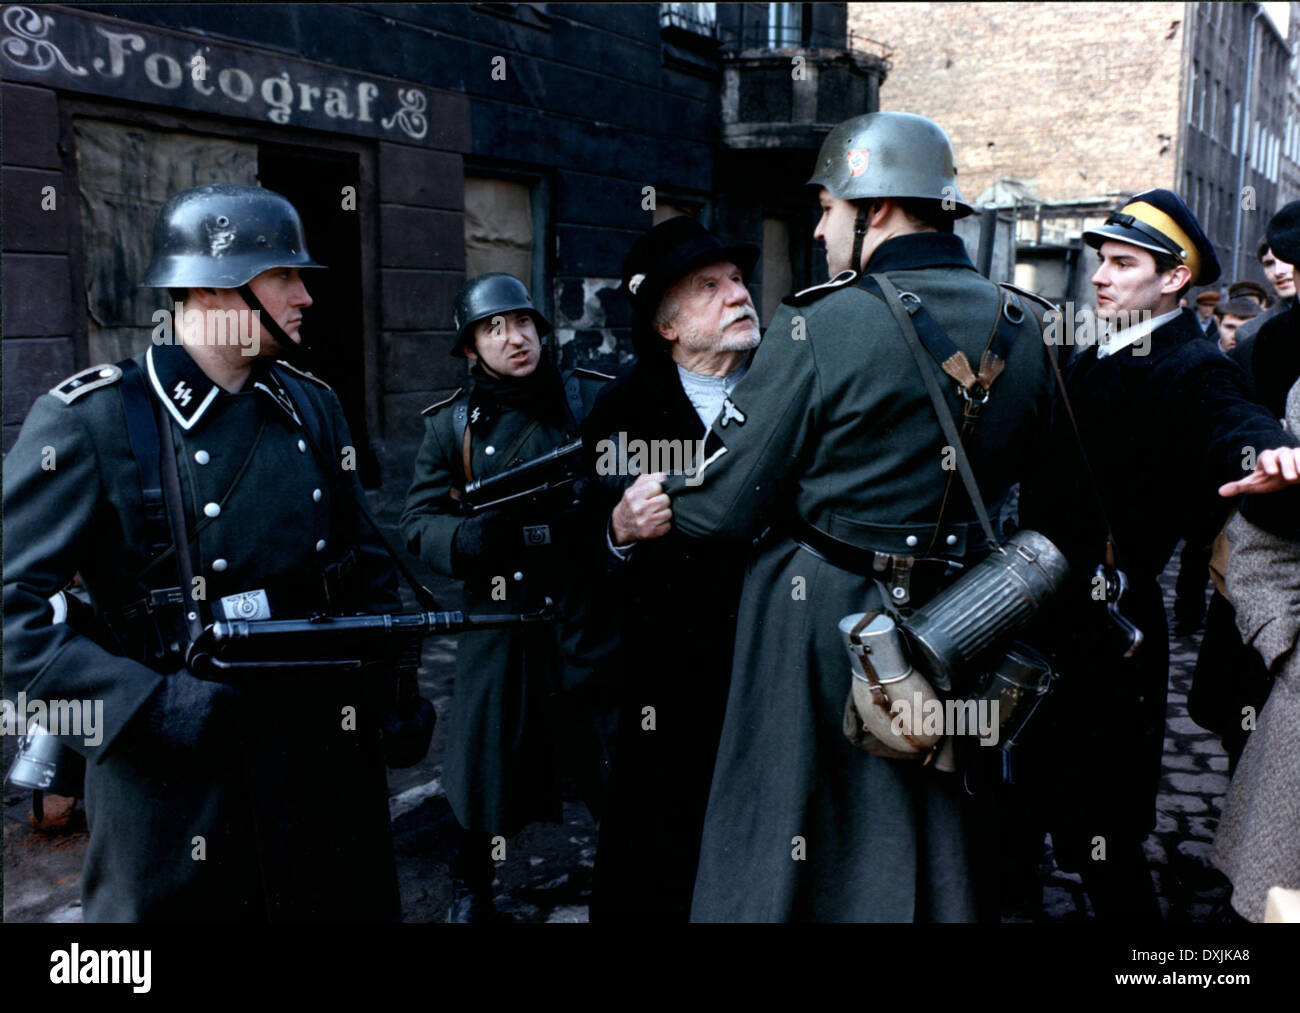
x=469, y=904
x=472, y=872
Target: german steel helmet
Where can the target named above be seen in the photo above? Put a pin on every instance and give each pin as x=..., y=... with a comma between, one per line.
x=486, y=296
x=223, y=235
x=889, y=155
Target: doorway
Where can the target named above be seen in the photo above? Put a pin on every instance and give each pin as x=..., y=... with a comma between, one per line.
x=316, y=182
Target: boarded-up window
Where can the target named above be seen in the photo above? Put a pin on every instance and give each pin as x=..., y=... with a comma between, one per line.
x=778, y=275
x=498, y=228
x=126, y=174
x=667, y=209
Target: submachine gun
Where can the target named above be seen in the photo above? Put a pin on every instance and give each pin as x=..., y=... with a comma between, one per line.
x=229, y=650
x=553, y=475
x=237, y=651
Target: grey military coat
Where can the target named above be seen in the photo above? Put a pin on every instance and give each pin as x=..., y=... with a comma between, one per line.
x=833, y=423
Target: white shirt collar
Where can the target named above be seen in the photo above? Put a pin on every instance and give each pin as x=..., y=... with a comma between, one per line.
x=1116, y=343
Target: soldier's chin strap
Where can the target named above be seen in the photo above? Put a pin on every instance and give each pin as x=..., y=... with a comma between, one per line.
x=290, y=350
x=859, y=234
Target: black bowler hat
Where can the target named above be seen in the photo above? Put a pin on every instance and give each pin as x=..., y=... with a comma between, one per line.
x=1284, y=233
x=1159, y=221
x=669, y=251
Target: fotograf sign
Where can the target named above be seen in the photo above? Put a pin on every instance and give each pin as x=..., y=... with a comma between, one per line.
x=84, y=53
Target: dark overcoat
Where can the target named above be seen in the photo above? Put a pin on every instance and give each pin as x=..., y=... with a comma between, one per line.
x=285, y=816
x=506, y=739
x=1162, y=431
x=833, y=422
x=1271, y=357
x=675, y=599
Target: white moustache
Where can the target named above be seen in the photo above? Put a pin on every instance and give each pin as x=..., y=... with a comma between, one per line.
x=745, y=313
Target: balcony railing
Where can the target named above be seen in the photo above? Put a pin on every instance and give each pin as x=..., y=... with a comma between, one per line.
x=696, y=18
x=794, y=37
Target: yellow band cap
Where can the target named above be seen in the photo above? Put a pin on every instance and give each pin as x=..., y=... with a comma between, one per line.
x=1151, y=215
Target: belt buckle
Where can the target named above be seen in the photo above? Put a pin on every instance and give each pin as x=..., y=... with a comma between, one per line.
x=246, y=605
x=537, y=534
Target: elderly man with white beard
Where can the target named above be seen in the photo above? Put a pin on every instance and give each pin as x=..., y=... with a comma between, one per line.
x=695, y=329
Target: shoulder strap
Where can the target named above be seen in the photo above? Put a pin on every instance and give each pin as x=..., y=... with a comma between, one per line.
x=311, y=418
x=1112, y=549
x=142, y=430
x=973, y=385
x=460, y=427
x=171, y=481
x=460, y=417
x=903, y=315
x=573, y=394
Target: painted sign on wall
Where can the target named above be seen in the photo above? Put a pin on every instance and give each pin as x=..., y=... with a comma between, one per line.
x=104, y=57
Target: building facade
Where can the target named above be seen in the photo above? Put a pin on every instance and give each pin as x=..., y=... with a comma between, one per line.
x=423, y=143
x=1060, y=111
x=1290, y=161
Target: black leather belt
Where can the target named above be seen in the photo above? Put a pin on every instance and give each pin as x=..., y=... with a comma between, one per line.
x=907, y=577
x=828, y=547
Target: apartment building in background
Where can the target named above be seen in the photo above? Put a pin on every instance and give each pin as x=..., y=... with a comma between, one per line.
x=1060, y=111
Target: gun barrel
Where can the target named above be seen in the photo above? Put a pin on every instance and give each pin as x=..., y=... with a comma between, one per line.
x=336, y=641
x=544, y=471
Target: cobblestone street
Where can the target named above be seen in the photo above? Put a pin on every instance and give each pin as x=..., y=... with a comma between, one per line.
x=1192, y=785
x=546, y=876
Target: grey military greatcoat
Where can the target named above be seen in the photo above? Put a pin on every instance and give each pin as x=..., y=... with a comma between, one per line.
x=833, y=424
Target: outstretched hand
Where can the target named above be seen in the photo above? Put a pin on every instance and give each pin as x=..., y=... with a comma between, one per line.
x=1274, y=469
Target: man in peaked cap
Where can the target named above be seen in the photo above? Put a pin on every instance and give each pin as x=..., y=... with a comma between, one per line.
x=1231, y=315
x=832, y=441
x=1166, y=425
x=1205, y=303
x=206, y=803
x=1248, y=290
x=695, y=326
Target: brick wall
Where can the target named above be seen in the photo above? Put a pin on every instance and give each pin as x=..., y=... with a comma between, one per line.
x=42, y=308
x=1075, y=99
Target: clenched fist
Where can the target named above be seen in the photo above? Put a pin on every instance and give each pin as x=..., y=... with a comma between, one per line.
x=643, y=512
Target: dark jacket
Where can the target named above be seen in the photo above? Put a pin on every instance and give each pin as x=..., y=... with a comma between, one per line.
x=250, y=827
x=676, y=600
x=1270, y=357
x=1244, y=350
x=1161, y=431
